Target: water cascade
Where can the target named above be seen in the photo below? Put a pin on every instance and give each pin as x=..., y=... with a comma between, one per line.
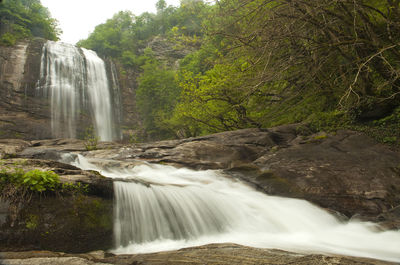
x=160, y=208
x=75, y=81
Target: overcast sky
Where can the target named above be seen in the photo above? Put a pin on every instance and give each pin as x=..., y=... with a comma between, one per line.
x=78, y=18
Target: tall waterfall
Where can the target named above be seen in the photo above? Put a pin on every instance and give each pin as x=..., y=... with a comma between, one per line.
x=76, y=83
x=161, y=208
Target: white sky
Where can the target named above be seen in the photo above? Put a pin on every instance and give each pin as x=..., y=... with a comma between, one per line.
x=78, y=18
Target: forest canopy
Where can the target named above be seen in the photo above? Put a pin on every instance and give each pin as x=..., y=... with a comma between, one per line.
x=202, y=68
x=21, y=19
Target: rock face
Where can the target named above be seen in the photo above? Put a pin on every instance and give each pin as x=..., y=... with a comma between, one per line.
x=76, y=220
x=209, y=254
x=346, y=172
x=22, y=115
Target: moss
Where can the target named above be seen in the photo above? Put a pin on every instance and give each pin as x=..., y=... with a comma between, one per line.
x=303, y=130
x=267, y=175
x=92, y=213
x=74, y=224
x=244, y=168
x=320, y=137
x=278, y=185
x=32, y=222
x=274, y=149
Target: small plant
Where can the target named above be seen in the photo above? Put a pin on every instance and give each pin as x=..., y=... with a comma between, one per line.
x=91, y=139
x=32, y=222
x=77, y=188
x=390, y=139
x=320, y=137
x=40, y=181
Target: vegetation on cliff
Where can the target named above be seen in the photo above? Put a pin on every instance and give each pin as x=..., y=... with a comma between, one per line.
x=260, y=63
x=206, y=68
x=21, y=19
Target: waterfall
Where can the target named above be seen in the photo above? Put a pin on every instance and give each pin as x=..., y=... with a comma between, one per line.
x=169, y=212
x=159, y=208
x=76, y=83
x=99, y=95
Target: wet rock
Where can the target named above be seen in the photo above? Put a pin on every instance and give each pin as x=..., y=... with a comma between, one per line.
x=346, y=171
x=98, y=185
x=68, y=219
x=10, y=147
x=208, y=254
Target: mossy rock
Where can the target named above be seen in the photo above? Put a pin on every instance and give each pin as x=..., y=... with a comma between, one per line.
x=278, y=185
x=74, y=224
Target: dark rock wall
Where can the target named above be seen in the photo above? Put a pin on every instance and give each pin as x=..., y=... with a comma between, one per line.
x=130, y=121
x=22, y=115
x=70, y=224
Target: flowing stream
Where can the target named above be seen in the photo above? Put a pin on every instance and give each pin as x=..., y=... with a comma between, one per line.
x=160, y=208
x=76, y=83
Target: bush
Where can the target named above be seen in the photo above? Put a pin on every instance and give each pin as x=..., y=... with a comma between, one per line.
x=91, y=139
x=7, y=39
x=40, y=181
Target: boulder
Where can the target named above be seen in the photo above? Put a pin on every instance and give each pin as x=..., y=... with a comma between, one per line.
x=71, y=219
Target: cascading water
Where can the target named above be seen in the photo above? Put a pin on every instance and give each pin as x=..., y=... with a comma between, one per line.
x=163, y=208
x=99, y=95
x=75, y=81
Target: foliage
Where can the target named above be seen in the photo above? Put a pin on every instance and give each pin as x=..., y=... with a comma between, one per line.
x=17, y=185
x=37, y=180
x=22, y=19
x=156, y=97
x=75, y=188
x=91, y=139
x=260, y=63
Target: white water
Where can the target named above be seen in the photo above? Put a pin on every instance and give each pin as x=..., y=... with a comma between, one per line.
x=76, y=83
x=181, y=208
x=99, y=95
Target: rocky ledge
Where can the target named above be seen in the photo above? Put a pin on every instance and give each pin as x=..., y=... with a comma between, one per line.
x=71, y=218
x=208, y=254
x=345, y=172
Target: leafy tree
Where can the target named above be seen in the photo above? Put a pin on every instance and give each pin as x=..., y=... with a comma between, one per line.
x=156, y=97
x=346, y=52
x=24, y=19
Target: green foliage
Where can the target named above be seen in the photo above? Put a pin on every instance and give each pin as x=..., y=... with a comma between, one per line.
x=15, y=180
x=156, y=97
x=260, y=63
x=91, y=139
x=22, y=19
x=32, y=222
x=75, y=188
x=92, y=213
x=37, y=180
x=385, y=130
x=8, y=39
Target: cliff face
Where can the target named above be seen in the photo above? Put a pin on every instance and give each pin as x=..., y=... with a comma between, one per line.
x=26, y=113
x=22, y=115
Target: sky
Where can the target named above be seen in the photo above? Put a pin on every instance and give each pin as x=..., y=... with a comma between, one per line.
x=78, y=18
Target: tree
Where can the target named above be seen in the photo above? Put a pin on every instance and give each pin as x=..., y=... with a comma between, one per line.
x=156, y=97
x=161, y=5
x=24, y=19
x=346, y=52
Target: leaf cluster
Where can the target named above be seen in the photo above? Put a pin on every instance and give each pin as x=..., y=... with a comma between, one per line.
x=21, y=19
x=17, y=185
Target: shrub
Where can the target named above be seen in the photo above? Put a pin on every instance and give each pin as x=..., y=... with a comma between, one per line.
x=91, y=139
x=40, y=181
